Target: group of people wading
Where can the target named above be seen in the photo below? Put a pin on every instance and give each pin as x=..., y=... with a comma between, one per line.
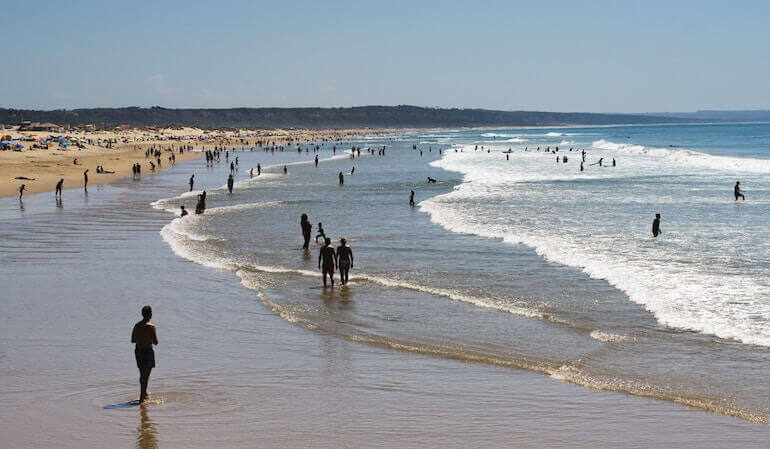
x=329, y=259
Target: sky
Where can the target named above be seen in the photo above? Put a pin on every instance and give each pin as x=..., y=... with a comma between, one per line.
x=588, y=56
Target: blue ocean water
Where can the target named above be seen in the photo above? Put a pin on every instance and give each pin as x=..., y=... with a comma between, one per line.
x=516, y=258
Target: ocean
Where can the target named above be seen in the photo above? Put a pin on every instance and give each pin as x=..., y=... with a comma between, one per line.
x=524, y=261
x=520, y=301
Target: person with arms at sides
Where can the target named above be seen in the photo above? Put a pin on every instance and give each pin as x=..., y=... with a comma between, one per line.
x=144, y=336
x=327, y=260
x=344, y=260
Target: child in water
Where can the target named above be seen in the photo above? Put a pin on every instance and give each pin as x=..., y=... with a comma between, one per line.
x=321, y=232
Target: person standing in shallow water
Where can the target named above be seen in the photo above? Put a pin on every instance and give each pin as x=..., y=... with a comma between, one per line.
x=327, y=260
x=342, y=179
x=307, y=227
x=656, y=226
x=144, y=336
x=738, y=192
x=411, y=198
x=230, y=183
x=344, y=260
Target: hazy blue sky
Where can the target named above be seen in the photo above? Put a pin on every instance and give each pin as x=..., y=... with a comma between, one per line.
x=536, y=55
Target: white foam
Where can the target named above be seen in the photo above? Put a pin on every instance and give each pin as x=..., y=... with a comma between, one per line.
x=500, y=135
x=688, y=157
x=182, y=240
x=607, y=337
x=682, y=283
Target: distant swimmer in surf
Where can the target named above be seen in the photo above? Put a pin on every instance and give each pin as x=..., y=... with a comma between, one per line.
x=738, y=192
x=433, y=180
x=327, y=260
x=285, y=170
x=656, y=226
x=613, y=162
x=344, y=260
x=184, y=212
x=411, y=198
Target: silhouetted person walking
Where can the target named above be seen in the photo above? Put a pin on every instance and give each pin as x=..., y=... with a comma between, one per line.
x=738, y=192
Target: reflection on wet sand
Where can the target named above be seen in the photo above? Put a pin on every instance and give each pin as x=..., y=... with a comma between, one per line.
x=146, y=433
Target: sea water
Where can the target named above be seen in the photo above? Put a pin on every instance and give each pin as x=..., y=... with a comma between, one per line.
x=521, y=261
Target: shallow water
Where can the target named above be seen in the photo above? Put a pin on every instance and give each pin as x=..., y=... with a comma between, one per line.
x=616, y=310
x=254, y=352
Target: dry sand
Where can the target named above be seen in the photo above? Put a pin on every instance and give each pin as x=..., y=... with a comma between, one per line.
x=45, y=167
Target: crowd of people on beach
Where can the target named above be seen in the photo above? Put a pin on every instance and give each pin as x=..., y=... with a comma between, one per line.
x=331, y=259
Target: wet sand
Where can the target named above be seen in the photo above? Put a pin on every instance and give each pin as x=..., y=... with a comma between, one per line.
x=231, y=373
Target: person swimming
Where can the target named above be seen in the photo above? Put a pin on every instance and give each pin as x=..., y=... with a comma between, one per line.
x=344, y=260
x=656, y=226
x=184, y=212
x=327, y=260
